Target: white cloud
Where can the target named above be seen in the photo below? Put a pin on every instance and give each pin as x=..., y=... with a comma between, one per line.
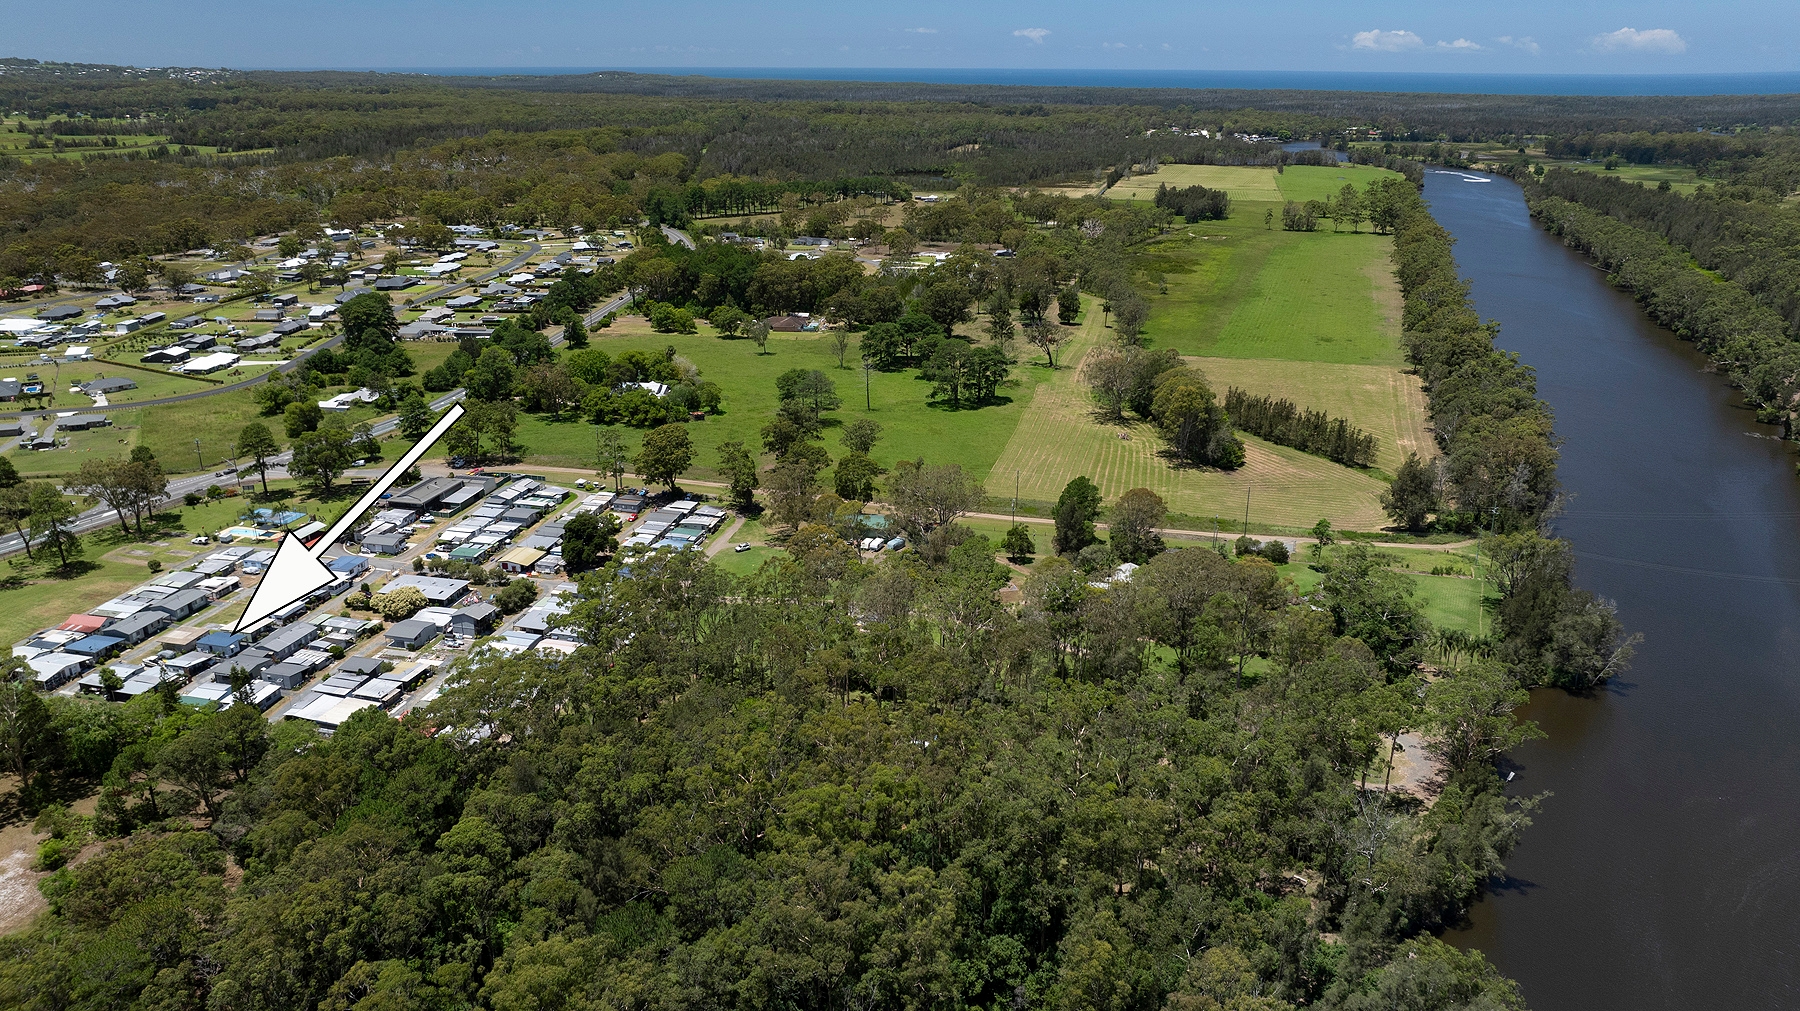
x=1460, y=45
x=1524, y=42
x=923, y=31
x=1113, y=45
x=1386, y=42
x=1650, y=40
x=1034, y=34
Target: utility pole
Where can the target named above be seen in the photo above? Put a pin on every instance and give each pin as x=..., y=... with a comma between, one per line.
x=1015, y=513
x=867, y=404
x=197, y=457
x=1246, y=512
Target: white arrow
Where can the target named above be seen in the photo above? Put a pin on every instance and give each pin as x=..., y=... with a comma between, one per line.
x=296, y=570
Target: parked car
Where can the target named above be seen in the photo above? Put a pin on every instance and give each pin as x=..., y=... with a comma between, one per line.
x=740, y=548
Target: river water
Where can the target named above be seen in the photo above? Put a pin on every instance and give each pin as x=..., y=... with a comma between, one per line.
x=1664, y=872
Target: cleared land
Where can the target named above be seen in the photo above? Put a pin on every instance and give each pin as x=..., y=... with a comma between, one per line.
x=1060, y=438
x=1385, y=402
x=1243, y=182
x=1310, y=316
x=911, y=426
x=1321, y=182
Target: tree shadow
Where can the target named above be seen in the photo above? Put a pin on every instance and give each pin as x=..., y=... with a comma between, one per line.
x=74, y=568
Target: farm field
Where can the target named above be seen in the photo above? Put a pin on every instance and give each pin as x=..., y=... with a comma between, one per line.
x=1385, y=402
x=1322, y=182
x=1060, y=438
x=1243, y=182
x=1313, y=317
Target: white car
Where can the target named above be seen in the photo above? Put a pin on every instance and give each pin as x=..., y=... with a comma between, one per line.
x=741, y=548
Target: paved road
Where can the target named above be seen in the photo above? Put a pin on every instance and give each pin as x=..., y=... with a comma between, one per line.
x=678, y=236
x=100, y=516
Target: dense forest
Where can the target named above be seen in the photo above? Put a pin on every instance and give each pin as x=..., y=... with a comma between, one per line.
x=825, y=785
x=254, y=153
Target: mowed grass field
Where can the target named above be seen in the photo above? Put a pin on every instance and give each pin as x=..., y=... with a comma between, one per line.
x=1385, y=402
x=1310, y=316
x=1243, y=182
x=1061, y=438
x=1322, y=182
x=912, y=428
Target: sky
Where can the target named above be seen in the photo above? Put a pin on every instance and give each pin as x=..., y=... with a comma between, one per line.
x=1531, y=37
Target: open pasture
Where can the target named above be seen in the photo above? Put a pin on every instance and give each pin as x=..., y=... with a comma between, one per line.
x=1322, y=182
x=1243, y=182
x=1239, y=290
x=1383, y=401
x=1061, y=438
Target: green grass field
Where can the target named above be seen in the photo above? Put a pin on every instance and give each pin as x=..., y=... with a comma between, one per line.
x=1240, y=290
x=1322, y=182
x=1243, y=182
x=1061, y=438
x=1681, y=178
x=1385, y=402
x=31, y=600
x=911, y=426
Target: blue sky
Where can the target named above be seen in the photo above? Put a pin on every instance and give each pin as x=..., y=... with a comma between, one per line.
x=1727, y=36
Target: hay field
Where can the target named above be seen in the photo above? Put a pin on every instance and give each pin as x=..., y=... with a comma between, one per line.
x=1385, y=402
x=1059, y=438
x=1243, y=182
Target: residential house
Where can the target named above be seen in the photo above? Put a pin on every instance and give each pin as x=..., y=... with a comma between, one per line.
x=474, y=620
x=412, y=633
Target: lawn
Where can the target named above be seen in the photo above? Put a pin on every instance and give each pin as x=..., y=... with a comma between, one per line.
x=1322, y=182
x=31, y=600
x=912, y=427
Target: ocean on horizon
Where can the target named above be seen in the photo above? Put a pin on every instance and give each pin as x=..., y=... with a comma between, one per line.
x=1302, y=80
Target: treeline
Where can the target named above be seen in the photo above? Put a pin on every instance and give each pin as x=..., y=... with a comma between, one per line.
x=1495, y=434
x=1496, y=474
x=1282, y=422
x=823, y=784
x=1723, y=318
x=1753, y=243
x=1194, y=203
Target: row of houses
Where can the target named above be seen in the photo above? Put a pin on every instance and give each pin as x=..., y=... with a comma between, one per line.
x=679, y=525
x=507, y=513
